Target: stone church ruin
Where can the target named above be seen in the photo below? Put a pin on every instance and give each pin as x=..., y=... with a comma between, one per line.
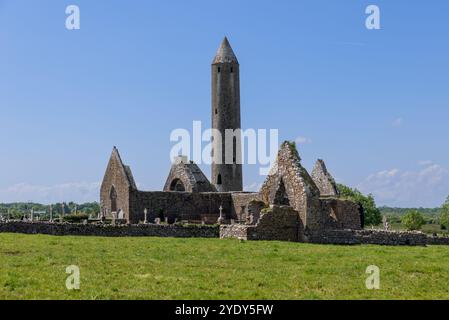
x=291, y=204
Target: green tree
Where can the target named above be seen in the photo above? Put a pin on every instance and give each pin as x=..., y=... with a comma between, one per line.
x=444, y=216
x=372, y=213
x=413, y=220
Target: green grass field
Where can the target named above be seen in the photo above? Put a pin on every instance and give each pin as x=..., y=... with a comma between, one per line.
x=33, y=267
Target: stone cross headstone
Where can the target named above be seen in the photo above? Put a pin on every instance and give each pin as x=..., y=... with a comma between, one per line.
x=145, y=212
x=221, y=219
x=63, y=211
x=385, y=223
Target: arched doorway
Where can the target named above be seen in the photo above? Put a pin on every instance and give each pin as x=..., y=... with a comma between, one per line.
x=177, y=185
x=113, y=197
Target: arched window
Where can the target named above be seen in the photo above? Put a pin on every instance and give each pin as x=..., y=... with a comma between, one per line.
x=219, y=182
x=177, y=185
x=219, y=69
x=113, y=196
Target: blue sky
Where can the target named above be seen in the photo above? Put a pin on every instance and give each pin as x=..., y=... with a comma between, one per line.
x=374, y=104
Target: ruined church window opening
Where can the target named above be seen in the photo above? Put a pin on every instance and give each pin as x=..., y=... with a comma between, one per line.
x=281, y=197
x=177, y=185
x=219, y=69
x=113, y=196
x=219, y=181
x=232, y=70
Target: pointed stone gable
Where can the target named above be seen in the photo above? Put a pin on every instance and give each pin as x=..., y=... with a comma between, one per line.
x=118, y=183
x=116, y=163
x=324, y=181
x=289, y=182
x=187, y=176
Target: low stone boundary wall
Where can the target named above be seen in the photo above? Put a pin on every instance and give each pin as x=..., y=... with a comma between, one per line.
x=265, y=231
x=149, y=230
x=379, y=237
x=437, y=241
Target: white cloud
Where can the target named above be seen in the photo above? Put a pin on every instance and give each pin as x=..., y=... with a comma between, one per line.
x=427, y=186
x=302, y=140
x=425, y=162
x=397, y=122
x=75, y=191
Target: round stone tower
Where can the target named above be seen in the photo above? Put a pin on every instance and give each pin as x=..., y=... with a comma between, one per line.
x=226, y=149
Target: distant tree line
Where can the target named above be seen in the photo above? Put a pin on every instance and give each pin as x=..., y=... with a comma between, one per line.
x=19, y=210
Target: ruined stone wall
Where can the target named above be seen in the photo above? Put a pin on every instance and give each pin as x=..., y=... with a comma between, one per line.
x=272, y=229
x=340, y=214
x=180, y=205
x=234, y=231
x=150, y=230
x=323, y=180
x=431, y=240
x=290, y=184
x=276, y=223
x=378, y=237
x=241, y=202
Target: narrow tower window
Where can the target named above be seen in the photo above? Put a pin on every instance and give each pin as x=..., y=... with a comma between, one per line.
x=219, y=69
x=234, y=149
x=219, y=182
x=232, y=70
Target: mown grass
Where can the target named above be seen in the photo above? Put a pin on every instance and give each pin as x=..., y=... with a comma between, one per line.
x=33, y=267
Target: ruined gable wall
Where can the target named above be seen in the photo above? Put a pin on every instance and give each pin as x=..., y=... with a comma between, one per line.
x=302, y=192
x=323, y=180
x=191, y=176
x=115, y=176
